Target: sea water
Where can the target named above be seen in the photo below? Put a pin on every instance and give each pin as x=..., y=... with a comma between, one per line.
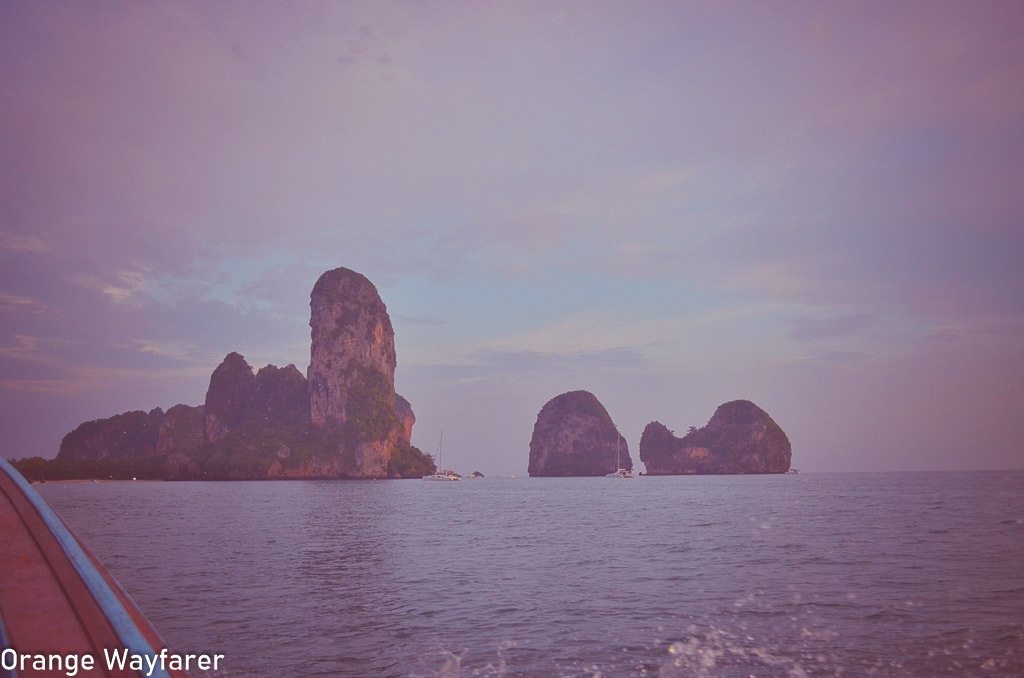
x=875, y=574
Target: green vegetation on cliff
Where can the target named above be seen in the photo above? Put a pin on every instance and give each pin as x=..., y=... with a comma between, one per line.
x=129, y=434
x=250, y=450
x=370, y=410
x=407, y=461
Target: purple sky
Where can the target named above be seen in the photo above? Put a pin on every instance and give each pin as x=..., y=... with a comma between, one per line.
x=815, y=206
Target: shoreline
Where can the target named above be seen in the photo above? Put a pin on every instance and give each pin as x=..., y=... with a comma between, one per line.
x=97, y=480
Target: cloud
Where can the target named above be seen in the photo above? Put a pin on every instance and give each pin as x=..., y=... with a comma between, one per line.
x=1008, y=331
x=14, y=302
x=22, y=242
x=181, y=351
x=23, y=371
x=827, y=359
x=492, y=365
x=419, y=320
x=827, y=327
x=22, y=348
x=586, y=330
x=124, y=288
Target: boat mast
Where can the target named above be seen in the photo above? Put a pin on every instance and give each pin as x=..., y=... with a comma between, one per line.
x=440, y=442
x=616, y=449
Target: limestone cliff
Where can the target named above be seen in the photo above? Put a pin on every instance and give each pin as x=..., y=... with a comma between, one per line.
x=405, y=414
x=739, y=438
x=352, y=371
x=344, y=421
x=575, y=436
x=351, y=340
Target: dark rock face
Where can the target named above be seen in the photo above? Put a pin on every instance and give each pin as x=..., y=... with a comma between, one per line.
x=132, y=434
x=575, y=436
x=739, y=438
x=182, y=441
x=345, y=421
x=281, y=395
x=182, y=430
x=229, y=398
x=241, y=406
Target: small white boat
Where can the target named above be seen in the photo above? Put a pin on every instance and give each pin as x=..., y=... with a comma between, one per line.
x=619, y=472
x=793, y=471
x=445, y=474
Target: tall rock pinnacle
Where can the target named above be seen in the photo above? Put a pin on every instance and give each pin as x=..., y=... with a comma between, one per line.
x=352, y=371
x=352, y=339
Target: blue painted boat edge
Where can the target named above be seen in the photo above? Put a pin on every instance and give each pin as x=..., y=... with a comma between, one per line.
x=4, y=645
x=130, y=635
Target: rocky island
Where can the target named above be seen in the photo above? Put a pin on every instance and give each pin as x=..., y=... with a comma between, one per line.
x=342, y=419
x=739, y=438
x=575, y=436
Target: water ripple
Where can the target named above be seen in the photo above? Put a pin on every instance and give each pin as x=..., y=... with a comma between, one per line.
x=818, y=575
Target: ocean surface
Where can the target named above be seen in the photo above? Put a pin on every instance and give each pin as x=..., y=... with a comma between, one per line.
x=880, y=574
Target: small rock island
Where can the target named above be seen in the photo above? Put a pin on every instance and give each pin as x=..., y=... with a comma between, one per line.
x=342, y=419
x=575, y=436
x=739, y=438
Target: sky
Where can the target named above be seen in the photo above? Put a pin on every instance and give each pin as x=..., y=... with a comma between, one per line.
x=814, y=206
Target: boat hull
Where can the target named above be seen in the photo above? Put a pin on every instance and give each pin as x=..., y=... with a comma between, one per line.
x=55, y=595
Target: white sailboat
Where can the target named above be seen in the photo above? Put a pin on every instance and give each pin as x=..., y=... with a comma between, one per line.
x=442, y=473
x=619, y=472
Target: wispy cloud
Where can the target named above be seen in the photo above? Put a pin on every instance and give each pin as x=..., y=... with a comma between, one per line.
x=183, y=351
x=518, y=366
x=420, y=320
x=809, y=328
x=38, y=364
x=24, y=347
x=22, y=242
x=14, y=302
x=827, y=358
x=121, y=287
x=998, y=329
x=41, y=377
